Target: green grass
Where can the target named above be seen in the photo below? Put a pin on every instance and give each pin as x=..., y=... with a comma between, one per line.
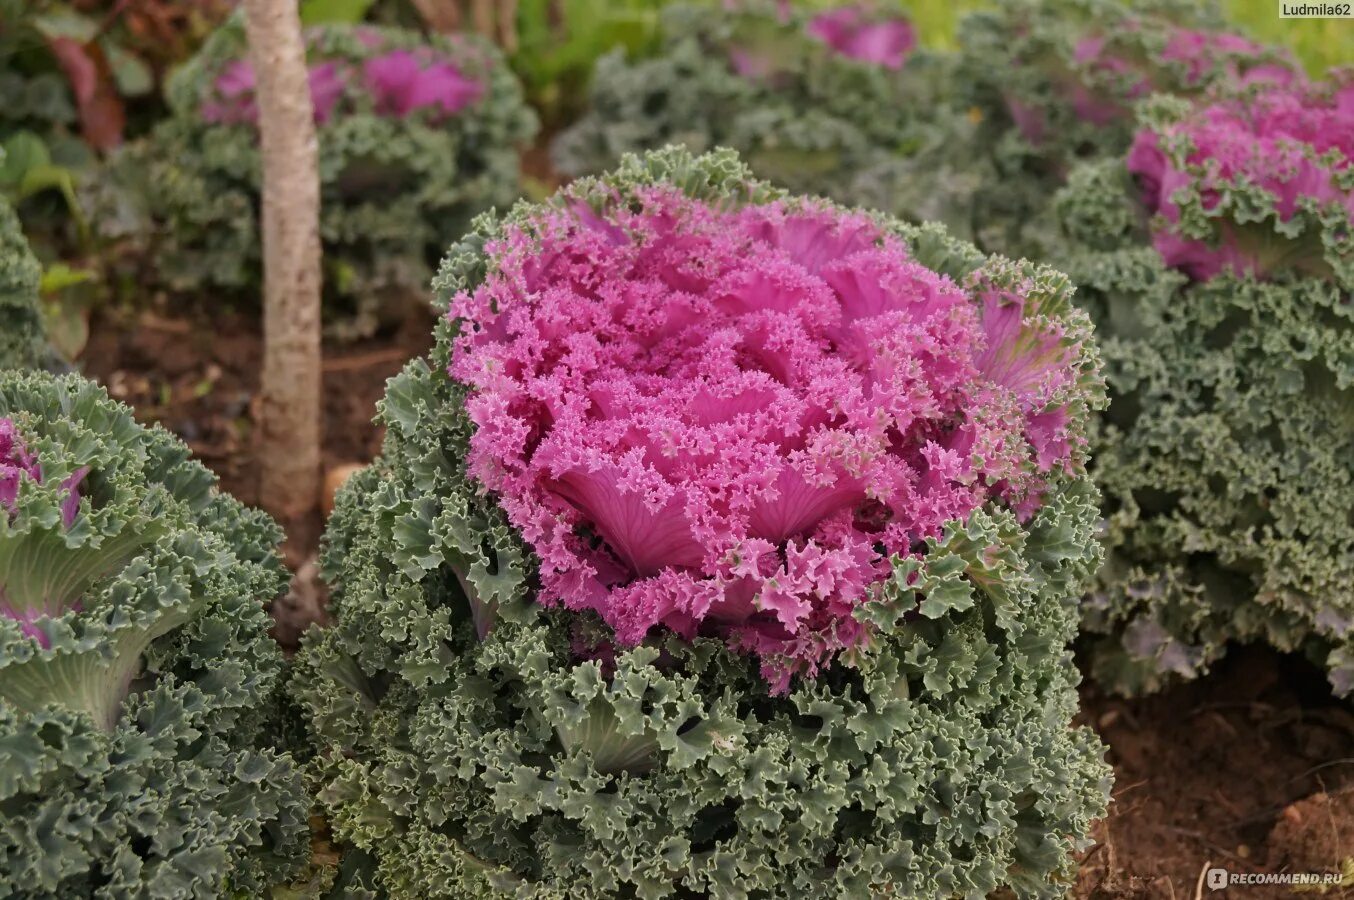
x=1321, y=44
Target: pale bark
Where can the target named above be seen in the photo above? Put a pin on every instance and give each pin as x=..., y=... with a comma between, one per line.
x=289, y=431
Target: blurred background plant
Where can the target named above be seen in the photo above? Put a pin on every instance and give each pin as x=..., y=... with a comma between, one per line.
x=1319, y=43
x=417, y=135
x=554, y=44
x=81, y=77
x=797, y=94
x=78, y=78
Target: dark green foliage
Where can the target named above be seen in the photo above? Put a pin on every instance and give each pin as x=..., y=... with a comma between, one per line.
x=38, y=98
x=23, y=342
x=395, y=190
x=136, y=732
x=938, y=762
x=823, y=124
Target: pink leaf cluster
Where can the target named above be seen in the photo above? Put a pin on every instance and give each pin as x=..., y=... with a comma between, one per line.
x=1198, y=53
x=400, y=83
x=1193, y=54
x=1092, y=106
x=1293, y=141
x=725, y=421
x=235, y=102
x=404, y=81
x=852, y=32
x=17, y=464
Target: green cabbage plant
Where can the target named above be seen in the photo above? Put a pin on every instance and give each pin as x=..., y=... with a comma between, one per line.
x=1217, y=257
x=138, y=681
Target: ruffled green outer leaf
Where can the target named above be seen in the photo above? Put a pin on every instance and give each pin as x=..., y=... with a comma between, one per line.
x=137, y=751
x=23, y=343
x=1227, y=457
x=938, y=762
x=828, y=125
x=396, y=191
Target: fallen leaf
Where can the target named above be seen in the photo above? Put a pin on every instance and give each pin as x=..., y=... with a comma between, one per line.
x=102, y=116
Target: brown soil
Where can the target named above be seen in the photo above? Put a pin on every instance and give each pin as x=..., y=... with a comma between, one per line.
x=198, y=375
x=1250, y=769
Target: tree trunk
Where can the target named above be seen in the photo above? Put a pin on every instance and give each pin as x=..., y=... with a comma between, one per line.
x=289, y=433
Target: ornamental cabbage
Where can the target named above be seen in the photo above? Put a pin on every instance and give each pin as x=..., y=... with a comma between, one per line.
x=136, y=669
x=829, y=103
x=729, y=420
x=1238, y=183
x=853, y=32
x=416, y=136
x=1046, y=83
x=23, y=342
x=1218, y=256
x=721, y=528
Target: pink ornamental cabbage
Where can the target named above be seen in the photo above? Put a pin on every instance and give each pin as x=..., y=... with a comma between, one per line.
x=1200, y=52
x=849, y=31
x=235, y=102
x=16, y=466
x=1104, y=84
x=853, y=33
x=1293, y=142
x=1090, y=105
x=725, y=422
x=402, y=81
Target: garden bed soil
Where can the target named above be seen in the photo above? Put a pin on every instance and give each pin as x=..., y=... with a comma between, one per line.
x=1250, y=769
x=198, y=376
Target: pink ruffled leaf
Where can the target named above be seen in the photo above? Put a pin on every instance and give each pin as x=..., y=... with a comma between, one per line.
x=726, y=421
